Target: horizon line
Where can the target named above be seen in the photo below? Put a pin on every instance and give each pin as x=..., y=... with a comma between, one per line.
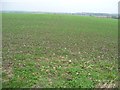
x=54, y=12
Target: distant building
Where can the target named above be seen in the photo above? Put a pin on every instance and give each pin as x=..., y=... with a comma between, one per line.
x=103, y=16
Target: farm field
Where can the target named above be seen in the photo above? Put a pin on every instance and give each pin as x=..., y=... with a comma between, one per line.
x=53, y=51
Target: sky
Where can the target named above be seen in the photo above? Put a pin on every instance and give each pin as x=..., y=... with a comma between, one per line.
x=68, y=6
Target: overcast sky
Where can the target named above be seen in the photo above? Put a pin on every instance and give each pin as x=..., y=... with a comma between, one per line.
x=97, y=6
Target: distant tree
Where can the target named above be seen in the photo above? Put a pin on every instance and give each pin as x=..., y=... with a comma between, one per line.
x=115, y=17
